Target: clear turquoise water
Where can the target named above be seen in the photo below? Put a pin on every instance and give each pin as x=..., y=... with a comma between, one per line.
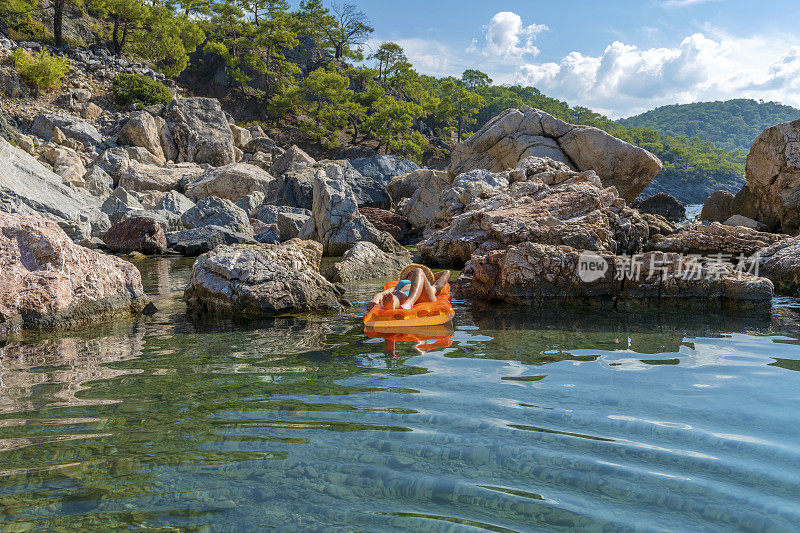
x=557, y=421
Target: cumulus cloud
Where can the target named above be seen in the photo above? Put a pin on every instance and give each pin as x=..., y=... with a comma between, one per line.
x=506, y=37
x=627, y=79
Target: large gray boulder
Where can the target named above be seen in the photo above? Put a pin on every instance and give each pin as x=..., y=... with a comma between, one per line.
x=296, y=187
x=28, y=188
x=139, y=177
x=213, y=211
x=662, y=204
x=337, y=223
x=260, y=280
x=233, y=182
x=143, y=129
x=98, y=182
x=201, y=131
x=292, y=158
x=175, y=202
x=427, y=188
x=114, y=161
x=364, y=261
x=291, y=224
x=73, y=128
x=383, y=168
x=196, y=241
x=517, y=134
x=268, y=214
x=717, y=207
x=120, y=202
x=772, y=192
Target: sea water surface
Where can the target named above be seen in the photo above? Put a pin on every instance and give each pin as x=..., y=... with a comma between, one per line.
x=520, y=421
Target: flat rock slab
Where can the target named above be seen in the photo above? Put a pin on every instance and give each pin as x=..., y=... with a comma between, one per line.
x=541, y=275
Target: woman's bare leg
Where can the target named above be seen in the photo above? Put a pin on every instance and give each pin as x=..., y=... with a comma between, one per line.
x=441, y=281
x=419, y=286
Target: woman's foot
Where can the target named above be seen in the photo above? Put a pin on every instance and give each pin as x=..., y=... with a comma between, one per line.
x=389, y=301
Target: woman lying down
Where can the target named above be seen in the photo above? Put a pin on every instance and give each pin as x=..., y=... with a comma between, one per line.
x=416, y=284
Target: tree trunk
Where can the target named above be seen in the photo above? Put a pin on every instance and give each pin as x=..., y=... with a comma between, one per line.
x=58, y=21
x=115, y=35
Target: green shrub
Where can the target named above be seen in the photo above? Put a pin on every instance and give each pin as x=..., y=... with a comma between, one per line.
x=139, y=89
x=41, y=71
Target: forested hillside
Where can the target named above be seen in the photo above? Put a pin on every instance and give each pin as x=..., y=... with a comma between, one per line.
x=308, y=72
x=730, y=125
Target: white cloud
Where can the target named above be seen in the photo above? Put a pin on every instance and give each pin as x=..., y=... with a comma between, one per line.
x=506, y=37
x=684, y=3
x=626, y=79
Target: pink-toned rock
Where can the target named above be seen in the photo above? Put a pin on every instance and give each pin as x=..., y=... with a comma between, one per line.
x=47, y=281
x=396, y=225
x=136, y=234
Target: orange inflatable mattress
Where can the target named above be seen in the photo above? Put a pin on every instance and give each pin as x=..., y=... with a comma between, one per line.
x=422, y=314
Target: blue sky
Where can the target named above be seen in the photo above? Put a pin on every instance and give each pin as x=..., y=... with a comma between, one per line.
x=619, y=57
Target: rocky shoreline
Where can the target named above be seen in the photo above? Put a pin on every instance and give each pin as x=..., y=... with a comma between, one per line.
x=524, y=201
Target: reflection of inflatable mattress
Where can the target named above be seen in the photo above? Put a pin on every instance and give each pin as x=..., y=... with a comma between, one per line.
x=441, y=336
x=422, y=314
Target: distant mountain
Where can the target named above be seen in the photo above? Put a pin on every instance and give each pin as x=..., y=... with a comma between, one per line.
x=730, y=125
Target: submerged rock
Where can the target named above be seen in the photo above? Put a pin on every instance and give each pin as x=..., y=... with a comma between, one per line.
x=365, y=260
x=517, y=134
x=260, y=280
x=47, y=281
x=136, y=234
x=542, y=274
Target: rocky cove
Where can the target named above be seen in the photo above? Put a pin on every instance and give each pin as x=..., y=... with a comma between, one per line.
x=182, y=344
x=522, y=201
